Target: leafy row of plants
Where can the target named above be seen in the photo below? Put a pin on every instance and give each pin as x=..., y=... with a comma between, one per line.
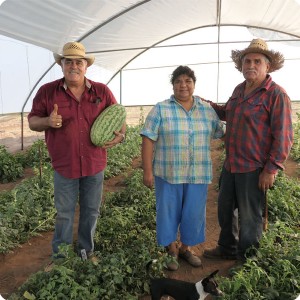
x=121, y=156
x=273, y=273
x=29, y=208
x=125, y=242
x=26, y=210
x=12, y=165
x=295, y=153
x=10, y=168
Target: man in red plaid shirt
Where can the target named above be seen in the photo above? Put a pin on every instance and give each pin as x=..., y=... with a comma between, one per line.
x=258, y=140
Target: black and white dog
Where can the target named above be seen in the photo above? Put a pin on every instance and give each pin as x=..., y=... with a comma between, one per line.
x=182, y=290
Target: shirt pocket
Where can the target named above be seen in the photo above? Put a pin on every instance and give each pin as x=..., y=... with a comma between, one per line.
x=63, y=105
x=64, y=109
x=257, y=111
x=230, y=109
x=92, y=111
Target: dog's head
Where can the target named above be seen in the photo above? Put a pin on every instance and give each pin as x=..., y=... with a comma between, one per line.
x=210, y=286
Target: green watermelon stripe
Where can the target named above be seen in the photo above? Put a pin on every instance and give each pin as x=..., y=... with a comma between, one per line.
x=110, y=120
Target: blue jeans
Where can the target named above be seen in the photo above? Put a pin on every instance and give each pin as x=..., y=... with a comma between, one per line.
x=66, y=193
x=240, y=206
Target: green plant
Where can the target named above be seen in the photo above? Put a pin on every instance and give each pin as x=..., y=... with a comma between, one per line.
x=284, y=200
x=12, y=165
x=36, y=155
x=295, y=151
x=273, y=273
x=26, y=210
x=121, y=156
x=10, y=168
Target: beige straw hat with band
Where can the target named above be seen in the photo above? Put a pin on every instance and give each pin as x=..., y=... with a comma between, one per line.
x=74, y=50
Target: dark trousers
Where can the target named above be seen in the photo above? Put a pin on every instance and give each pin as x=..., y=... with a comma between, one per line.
x=240, y=206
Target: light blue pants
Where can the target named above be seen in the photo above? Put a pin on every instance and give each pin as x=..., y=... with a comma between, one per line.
x=180, y=207
x=66, y=194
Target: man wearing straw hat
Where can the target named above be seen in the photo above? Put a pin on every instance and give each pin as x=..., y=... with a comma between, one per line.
x=258, y=140
x=66, y=109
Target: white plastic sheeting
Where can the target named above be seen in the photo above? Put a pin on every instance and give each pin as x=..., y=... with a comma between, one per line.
x=118, y=32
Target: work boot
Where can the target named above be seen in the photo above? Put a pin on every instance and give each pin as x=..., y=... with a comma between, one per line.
x=191, y=258
x=217, y=253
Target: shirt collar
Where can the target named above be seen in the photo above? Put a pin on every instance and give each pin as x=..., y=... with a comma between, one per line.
x=239, y=90
x=196, y=99
x=266, y=84
x=87, y=84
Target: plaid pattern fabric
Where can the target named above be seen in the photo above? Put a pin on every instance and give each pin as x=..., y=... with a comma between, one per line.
x=182, y=140
x=259, y=132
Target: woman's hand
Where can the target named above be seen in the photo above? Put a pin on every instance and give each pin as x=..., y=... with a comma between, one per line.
x=148, y=179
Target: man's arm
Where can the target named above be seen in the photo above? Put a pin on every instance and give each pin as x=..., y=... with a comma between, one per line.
x=38, y=124
x=282, y=133
x=43, y=123
x=219, y=109
x=119, y=138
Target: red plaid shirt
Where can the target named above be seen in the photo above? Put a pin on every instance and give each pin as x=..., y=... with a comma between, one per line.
x=72, y=153
x=259, y=132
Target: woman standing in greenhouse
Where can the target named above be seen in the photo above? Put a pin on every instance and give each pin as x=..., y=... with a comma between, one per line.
x=176, y=157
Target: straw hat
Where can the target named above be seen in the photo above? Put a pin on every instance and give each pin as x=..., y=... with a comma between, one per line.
x=74, y=50
x=258, y=46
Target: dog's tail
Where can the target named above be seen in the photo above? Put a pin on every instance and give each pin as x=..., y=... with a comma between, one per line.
x=148, y=265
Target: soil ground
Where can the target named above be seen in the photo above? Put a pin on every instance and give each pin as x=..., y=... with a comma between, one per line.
x=32, y=256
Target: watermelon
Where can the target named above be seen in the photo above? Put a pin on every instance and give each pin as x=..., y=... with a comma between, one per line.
x=110, y=120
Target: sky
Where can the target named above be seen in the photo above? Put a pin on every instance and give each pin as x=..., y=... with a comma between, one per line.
x=146, y=82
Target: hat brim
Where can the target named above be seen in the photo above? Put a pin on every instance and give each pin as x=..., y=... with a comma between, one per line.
x=89, y=58
x=276, y=58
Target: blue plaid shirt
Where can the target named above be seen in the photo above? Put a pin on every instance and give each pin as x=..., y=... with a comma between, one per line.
x=182, y=140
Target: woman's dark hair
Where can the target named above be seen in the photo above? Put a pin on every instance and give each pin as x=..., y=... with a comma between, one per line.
x=182, y=70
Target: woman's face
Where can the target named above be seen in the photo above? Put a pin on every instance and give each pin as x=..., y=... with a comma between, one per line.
x=183, y=88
